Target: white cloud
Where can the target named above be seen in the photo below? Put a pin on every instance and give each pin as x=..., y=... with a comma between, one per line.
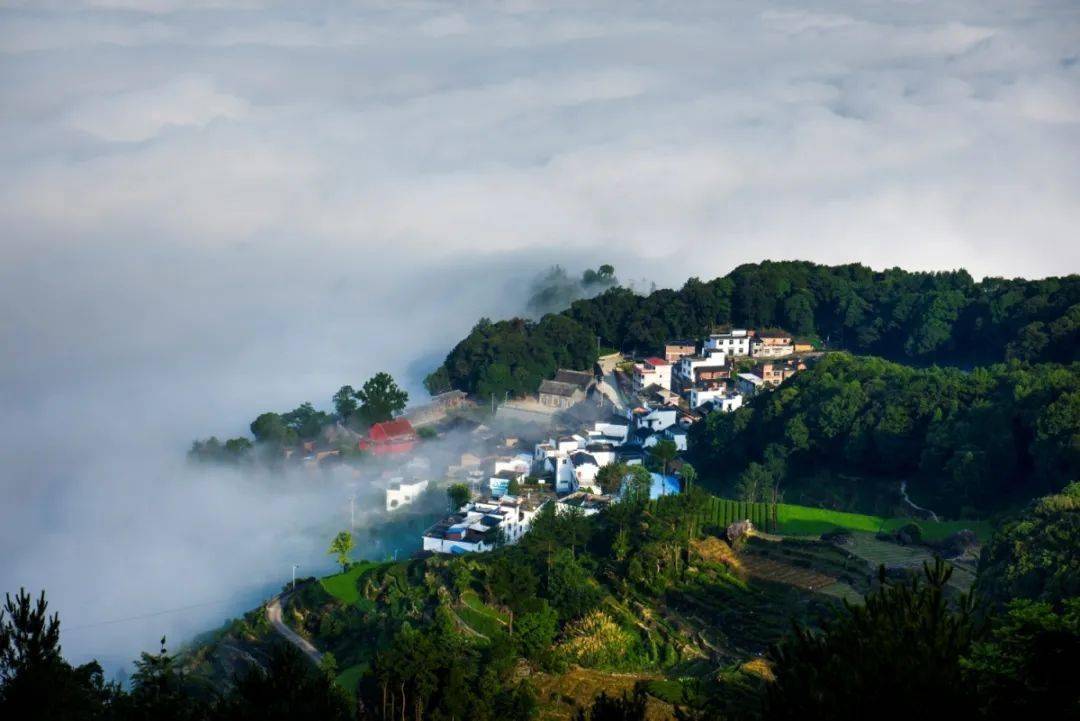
x=142, y=114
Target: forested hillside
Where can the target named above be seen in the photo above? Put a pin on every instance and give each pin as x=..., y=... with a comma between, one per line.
x=968, y=441
x=919, y=318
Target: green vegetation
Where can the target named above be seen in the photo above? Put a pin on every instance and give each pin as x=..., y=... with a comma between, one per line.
x=969, y=442
x=1035, y=554
x=342, y=545
x=379, y=399
x=343, y=586
x=806, y=521
x=37, y=683
x=645, y=589
x=915, y=317
x=458, y=495
x=514, y=356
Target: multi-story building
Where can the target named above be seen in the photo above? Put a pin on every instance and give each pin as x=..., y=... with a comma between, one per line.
x=401, y=493
x=652, y=371
x=676, y=349
x=772, y=344
x=735, y=343
x=774, y=373
x=720, y=396
x=695, y=369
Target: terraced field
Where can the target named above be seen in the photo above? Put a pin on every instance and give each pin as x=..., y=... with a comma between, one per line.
x=770, y=569
x=481, y=618
x=893, y=555
x=561, y=696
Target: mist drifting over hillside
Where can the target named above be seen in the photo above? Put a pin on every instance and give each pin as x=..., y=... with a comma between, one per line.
x=218, y=208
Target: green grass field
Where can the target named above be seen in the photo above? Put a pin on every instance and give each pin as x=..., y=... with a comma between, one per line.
x=805, y=521
x=348, y=678
x=342, y=586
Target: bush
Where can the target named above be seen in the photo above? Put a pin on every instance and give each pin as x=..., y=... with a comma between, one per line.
x=909, y=534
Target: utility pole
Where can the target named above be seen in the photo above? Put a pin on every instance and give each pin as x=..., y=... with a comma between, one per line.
x=352, y=513
x=294, y=567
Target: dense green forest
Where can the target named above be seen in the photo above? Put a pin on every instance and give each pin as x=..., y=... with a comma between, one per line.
x=968, y=442
x=919, y=318
x=643, y=599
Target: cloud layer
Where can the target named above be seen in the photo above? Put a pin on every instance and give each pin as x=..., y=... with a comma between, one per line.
x=212, y=209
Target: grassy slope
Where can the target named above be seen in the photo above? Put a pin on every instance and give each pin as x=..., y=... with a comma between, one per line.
x=805, y=521
x=342, y=586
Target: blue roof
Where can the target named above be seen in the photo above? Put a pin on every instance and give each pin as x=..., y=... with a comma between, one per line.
x=664, y=486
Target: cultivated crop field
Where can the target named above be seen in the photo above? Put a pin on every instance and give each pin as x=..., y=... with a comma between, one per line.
x=891, y=555
x=806, y=521
x=770, y=569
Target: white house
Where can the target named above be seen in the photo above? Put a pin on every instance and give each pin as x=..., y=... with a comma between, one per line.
x=477, y=526
x=652, y=371
x=653, y=419
x=399, y=493
x=521, y=463
x=735, y=343
x=724, y=403
x=698, y=367
x=603, y=452
x=721, y=398
x=748, y=384
x=614, y=431
x=585, y=469
x=676, y=434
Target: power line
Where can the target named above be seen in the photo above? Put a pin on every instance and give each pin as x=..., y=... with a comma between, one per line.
x=68, y=629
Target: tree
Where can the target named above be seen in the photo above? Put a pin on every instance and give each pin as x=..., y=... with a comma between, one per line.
x=536, y=629
x=610, y=477
x=754, y=483
x=628, y=707
x=638, y=485
x=305, y=421
x=342, y=545
x=270, y=428
x=904, y=646
x=689, y=475
x=35, y=681
x=288, y=688
x=345, y=404
x=1033, y=555
x=458, y=494
x=664, y=452
x=1028, y=662
x=380, y=399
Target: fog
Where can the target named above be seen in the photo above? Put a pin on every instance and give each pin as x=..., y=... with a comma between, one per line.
x=213, y=209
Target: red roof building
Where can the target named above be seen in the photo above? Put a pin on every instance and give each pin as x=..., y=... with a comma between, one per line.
x=397, y=436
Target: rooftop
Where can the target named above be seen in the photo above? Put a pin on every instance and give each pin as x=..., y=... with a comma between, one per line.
x=581, y=379
x=584, y=501
x=558, y=388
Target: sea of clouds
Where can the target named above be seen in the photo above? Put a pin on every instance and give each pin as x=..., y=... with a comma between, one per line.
x=215, y=208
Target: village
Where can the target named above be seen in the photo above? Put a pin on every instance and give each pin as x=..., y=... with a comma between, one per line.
x=551, y=448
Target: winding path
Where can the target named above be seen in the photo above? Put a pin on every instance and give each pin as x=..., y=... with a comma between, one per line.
x=904, y=495
x=273, y=615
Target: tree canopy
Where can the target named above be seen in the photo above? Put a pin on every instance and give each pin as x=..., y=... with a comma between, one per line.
x=944, y=317
x=974, y=440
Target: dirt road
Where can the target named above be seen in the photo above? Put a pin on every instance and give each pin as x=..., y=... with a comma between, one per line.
x=273, y=615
